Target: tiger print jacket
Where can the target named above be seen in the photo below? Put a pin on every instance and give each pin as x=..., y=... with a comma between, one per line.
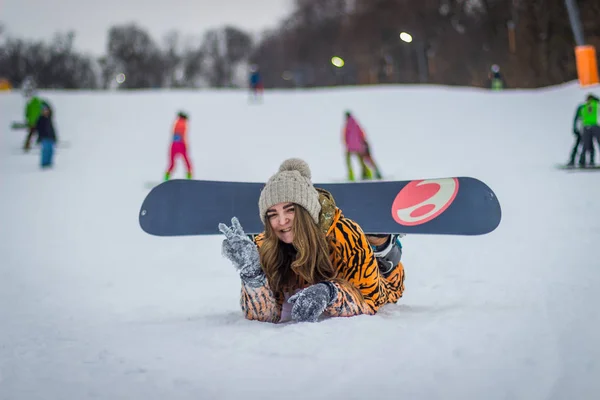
x=361, y=287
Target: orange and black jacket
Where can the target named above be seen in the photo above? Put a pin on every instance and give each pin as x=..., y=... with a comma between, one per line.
x=361, y=287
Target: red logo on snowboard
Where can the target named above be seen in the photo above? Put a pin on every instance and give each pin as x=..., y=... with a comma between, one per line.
x=423, y=200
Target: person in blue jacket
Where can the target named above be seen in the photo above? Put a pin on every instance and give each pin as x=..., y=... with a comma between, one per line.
x=256, y=83
x=47, y=136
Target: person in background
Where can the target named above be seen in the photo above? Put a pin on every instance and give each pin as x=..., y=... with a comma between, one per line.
x=47, y=136
x=356, y=144
x=590, y=122
x=256, y=83
x=577, y=133
x=33, y=110
x=179, y=146
x=496, y=80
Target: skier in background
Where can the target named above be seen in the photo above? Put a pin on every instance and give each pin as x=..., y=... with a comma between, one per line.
x=577, y=133
x=496, y=80
x=47, y=136
x=256, y=83
x=590, y=121
x=179, y=145
x=356, y=144
x=33, y=110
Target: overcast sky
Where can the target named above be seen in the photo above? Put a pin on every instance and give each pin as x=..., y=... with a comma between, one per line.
x=90, y=19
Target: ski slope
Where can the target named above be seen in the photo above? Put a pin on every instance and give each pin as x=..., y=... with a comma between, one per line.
x=91, y=307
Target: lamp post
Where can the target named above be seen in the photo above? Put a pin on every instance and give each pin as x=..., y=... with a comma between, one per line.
x=585, y=55
x=421, y=56
x=338, y=62
x=575, y=22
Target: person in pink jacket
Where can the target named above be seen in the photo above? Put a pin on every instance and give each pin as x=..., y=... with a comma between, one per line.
x=356, y=144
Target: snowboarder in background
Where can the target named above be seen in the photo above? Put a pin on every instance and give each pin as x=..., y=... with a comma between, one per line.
x=496, y=80
x=33, y=110
x=577, y=132
x=255, y=82
x=356, y=144
x=311, y=260
x=590, y=122
x=179, y=145
x=47, y=136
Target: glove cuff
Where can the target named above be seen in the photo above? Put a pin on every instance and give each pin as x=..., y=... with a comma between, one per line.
x=252, y=275
x=333, y=291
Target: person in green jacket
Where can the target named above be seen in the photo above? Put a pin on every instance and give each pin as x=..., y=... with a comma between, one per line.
x=496, y=80
x=33, y=110
x=590, y=122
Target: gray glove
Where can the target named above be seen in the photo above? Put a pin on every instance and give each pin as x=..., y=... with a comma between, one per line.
x=243, y=253
x=310, y=303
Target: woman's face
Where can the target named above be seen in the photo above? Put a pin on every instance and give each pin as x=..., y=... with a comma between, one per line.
x=281, y=219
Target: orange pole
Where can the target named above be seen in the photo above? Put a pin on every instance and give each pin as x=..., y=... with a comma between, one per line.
x=587, y=65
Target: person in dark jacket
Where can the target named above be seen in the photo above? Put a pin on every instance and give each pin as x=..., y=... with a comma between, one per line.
x=577, y=133
x=590, y=132
x=47, y=136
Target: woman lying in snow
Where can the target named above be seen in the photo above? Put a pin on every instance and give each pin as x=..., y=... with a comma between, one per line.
x=310, y=260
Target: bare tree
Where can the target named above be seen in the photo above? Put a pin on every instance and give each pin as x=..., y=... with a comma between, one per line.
x=131, y=48
x=172, y=60
x=53, y=65
x=223, y=49
x=454, y=43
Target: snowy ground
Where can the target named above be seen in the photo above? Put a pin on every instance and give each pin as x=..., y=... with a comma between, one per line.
x=91, y=307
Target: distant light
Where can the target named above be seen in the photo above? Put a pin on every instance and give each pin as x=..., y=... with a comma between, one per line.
x=337, y=61
x=406, y=37
x=120, y=78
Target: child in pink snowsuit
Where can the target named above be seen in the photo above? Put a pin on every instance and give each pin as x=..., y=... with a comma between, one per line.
x=179, y=146
x=356, y=144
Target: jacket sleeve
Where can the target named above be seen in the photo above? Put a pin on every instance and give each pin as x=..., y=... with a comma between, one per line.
x=260, y=303
x=359, y=280
x=32, y=112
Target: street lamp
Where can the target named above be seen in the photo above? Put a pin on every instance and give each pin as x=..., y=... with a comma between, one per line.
x=585, y=55
x=406, y=37
x=337, y=61
x=420, y=52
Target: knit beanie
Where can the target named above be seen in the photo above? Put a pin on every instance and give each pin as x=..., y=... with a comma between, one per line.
x=292, y=183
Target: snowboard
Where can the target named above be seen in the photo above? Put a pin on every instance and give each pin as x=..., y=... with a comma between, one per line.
x=576, y=168
x=451, y=206
x=18, y=125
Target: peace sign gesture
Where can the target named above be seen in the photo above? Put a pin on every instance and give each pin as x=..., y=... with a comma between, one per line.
x=240, y=249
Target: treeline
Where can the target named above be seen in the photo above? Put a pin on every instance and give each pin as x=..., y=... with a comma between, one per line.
x=454, y=42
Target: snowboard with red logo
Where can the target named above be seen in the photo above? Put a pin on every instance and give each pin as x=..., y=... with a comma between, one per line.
x=442, y=206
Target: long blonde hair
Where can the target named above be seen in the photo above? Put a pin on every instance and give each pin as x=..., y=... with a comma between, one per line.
x=305, y=261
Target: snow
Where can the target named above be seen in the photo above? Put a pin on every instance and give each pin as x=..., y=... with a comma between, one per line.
x=91, y=307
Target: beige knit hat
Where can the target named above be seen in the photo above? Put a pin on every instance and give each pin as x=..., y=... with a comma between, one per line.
x=292, y=183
